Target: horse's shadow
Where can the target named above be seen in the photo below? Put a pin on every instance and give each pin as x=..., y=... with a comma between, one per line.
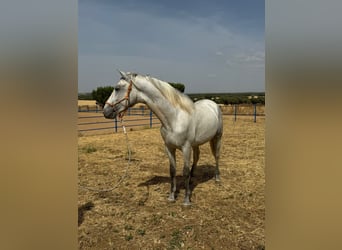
x=82, y=209
x=203, y=173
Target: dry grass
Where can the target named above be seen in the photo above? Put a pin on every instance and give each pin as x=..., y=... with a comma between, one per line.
x=86, y=102
x=137, y=215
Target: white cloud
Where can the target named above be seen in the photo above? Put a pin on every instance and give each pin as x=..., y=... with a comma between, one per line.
x=251, y=59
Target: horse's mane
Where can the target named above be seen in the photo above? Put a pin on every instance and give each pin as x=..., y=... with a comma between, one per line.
x=175, y=97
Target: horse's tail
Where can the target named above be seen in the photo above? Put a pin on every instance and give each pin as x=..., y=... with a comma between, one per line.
x=220, y=118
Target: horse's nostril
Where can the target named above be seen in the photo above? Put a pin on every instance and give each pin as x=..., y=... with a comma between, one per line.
x=109, y=113
x=106, y=112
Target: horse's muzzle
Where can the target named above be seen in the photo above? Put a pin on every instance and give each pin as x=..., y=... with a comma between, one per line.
x=109, y=112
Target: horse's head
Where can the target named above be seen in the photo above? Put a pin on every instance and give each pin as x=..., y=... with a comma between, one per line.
x=121, y=98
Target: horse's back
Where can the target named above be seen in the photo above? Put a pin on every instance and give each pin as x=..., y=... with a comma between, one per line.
x=205, y=105
x=208, y=120
x=207, y=109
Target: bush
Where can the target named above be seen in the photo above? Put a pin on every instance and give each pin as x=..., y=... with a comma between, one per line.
x=101, y=94
x=177, y=85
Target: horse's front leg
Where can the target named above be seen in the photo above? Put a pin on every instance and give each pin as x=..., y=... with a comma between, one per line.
x=171, y=153
x=186, y=173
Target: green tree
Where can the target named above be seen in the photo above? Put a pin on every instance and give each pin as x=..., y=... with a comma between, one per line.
x=224, y=100
x=84, y=96
x=178, y=85
x=101, y=94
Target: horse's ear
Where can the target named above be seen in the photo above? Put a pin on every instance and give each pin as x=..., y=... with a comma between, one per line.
x=123, y=75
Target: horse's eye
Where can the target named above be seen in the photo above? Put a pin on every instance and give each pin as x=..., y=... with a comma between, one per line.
x=117, y=88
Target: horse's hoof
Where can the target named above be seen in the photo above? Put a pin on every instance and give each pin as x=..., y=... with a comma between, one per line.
x=217, y=179
x=186, y=203
x=171, y=198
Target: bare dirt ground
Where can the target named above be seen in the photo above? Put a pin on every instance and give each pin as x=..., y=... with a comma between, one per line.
x=137, y=214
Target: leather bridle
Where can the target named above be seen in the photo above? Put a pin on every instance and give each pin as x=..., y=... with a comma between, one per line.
x=126, y=98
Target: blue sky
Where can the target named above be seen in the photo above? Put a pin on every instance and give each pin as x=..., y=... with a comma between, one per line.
x=210, y=46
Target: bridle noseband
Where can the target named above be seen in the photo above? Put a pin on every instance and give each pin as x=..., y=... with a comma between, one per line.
x=126, y=98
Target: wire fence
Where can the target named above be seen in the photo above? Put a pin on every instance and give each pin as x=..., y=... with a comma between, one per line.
x=92, y=121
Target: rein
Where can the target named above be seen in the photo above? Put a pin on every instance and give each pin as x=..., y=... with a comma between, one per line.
x=126, y=98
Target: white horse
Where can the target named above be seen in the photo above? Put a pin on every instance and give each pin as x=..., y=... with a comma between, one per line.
x=185, y=125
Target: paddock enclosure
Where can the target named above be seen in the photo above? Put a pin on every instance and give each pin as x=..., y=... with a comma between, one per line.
x=91, y=120
x=137, y=214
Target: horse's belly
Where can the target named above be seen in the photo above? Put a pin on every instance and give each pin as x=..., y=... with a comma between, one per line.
x=207, y=121
x=206, y=129
x=205, y=133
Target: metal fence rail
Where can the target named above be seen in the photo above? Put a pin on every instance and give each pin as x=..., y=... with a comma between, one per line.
x=93, y=119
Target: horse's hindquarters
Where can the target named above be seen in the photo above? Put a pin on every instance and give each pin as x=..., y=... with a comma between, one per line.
x=207, y=120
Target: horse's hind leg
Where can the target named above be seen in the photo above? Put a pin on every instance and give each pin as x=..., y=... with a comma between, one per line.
x=196, y=154
x=171, y=153
x=186, y=173
x=215, y=145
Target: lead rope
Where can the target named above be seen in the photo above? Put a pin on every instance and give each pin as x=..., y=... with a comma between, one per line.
x=129, y=154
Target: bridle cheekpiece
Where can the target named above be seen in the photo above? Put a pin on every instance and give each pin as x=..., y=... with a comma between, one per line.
x=126, y=98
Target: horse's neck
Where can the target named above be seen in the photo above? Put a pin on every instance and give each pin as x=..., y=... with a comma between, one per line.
x=165, y=114
x=160, y=106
